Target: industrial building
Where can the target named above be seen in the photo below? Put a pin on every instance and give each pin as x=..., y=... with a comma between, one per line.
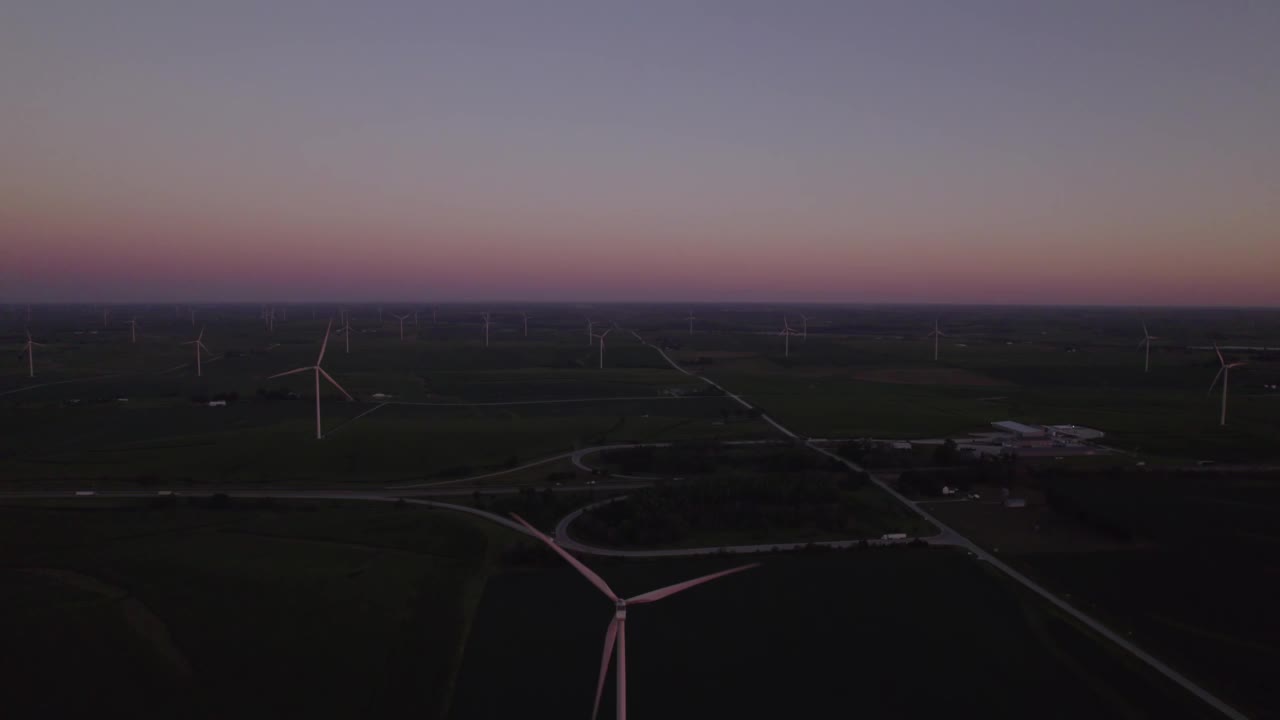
x=1020, y=430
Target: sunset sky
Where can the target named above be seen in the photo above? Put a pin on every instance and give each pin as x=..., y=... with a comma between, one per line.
x=1095, y=151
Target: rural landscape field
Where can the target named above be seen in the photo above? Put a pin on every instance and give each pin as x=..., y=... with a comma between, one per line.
x=156, y=525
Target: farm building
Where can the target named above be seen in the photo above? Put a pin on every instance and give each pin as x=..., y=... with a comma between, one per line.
x=1020, y=430
x=1076, y=432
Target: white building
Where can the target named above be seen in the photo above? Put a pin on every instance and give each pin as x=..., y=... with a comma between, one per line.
x=1076, y=432
x=1020, y=430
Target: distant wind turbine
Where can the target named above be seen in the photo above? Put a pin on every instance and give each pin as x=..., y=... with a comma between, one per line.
x=786, y=334
x=30, y=350
x=486, y=316
x=401, y=318
x=199, y=345
x=318, y=372
x=591, y=324
x=616, y=634
x=1224, y=372
x=1146, y=341
x=935, y=334
x=600, y=337
x=691, y=318
x=525, y=317
x=346, y=332
x=133, y=329
x=804, y=327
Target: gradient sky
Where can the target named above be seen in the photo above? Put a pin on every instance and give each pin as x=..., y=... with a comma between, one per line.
x=1093, y=151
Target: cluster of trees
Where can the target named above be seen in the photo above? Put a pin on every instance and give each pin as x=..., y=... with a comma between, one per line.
x=702, y=458
x=754, y=505
x=279, y=393
x=983, y=470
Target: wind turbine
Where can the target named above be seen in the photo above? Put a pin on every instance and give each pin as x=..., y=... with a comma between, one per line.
x=346, y=332
x=318, y=372
x=935, y=334
x=1146, y=340
x=1224, y=372
x=401, y=318
x=193, y=317
x=433, y=314
x=30, y=350
x=804, y=327
x=485, y=315
x=691, y=318
x=786, y=334
x=591, y=324
x=616, y=634
x=199, y=344
x=525, y=317
x=133, y=329
x=106, y=317
x=601, y=337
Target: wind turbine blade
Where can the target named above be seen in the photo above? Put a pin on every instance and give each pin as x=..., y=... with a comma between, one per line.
x=335, y=383
x=1144, y=330
x=586, y=571
x=1220, y=358
x=610, y=638
x=1214, y=384
x=290, y=372
x=201, y=335
x=324, y=343
x=673, y=589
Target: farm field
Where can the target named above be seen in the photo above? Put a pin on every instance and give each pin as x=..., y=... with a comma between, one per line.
x=252, y=609
x=897, y=632
x=1181, y=561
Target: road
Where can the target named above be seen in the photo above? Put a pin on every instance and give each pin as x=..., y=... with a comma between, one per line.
x=948, y=536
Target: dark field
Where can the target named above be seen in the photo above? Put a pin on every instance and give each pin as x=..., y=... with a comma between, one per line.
x=891, y=632
x=255, y=610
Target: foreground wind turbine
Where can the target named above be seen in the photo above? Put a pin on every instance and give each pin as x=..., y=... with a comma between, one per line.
x=786, y=334
x=401, y=318
x=691, y=318
x=199, y=345
x=601, y=338
x=1224, y=372
x=617, y=632
x=1146, y=340
x=318, y=372
x=935, y=334
x=30, y=350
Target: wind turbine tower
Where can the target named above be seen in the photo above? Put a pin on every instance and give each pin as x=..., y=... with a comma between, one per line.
x=616, y=634
x=1224, y=372
x=935, y=334
x=30, y=349
x=1146, y=342
x=319, y=371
